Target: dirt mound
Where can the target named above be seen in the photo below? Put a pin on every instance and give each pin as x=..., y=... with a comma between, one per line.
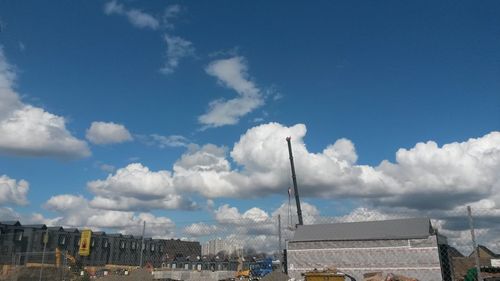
x=29, y=274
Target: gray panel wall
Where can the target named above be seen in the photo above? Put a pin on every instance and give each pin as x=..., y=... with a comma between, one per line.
x=418, y=258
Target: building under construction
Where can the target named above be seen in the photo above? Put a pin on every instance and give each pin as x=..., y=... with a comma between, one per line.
x=409, y=247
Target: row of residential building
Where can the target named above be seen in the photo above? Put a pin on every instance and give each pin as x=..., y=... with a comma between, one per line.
x=19, y=243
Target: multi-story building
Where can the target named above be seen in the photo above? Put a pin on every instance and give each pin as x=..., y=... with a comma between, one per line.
x=12, y=241
x=20, y=243
x=219, y=245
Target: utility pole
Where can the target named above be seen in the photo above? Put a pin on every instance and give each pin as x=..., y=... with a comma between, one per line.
x=279, y=233
x=45, y=241
x=280, y=252
x=474, y=246
x=294, y=178
x=142, y=243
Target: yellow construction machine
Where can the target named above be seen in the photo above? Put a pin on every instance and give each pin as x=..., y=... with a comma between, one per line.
x=242, y=273
x=69, y=258
x=326, y=275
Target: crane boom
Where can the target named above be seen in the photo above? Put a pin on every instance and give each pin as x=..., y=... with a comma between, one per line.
x=294, y=178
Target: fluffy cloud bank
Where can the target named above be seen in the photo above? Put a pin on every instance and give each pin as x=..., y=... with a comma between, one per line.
x=135, y=187
x=258, y=229
x=233, y=74
x=107, y=133
x=12, y=191
x=31, y=131
x=421, y=177
x=252, y=229
x=425, y=180
x=426, y=176
x=8, y=214
x=75, y=211
x=456, y=173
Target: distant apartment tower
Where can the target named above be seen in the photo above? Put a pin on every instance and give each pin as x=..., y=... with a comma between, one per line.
x=216, y=246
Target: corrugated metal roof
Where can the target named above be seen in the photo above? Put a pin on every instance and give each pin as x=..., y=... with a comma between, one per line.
x=370, y=230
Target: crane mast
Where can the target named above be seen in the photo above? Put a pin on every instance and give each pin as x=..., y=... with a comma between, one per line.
x=294, y=178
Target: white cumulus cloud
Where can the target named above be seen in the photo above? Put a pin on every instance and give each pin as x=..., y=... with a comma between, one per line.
x=424, y=176
x=231, y=215
x=253, y=221
x=427, y=176
x=9, y=98
x=431, y=176
x=206, y=158
x=8, y=214
x=232, y=73
x=107, y=133
x=31, y=131
x=135, y=187
x=75, y=211
x=13, y=191
x=288, y=213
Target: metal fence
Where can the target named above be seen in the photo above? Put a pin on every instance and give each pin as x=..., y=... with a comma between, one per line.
x=39, y=266
x=460, y=243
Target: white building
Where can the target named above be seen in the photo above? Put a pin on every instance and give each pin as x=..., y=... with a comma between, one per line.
x=213, y=247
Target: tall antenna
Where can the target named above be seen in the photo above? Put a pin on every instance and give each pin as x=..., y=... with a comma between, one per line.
x=294, y=178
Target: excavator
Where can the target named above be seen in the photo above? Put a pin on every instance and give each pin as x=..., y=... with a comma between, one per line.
x=242, y=273
x=69, y=260
x=256, y=270
x=67, y=255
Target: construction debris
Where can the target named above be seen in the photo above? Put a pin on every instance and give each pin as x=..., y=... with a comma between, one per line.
x=373, y=276
x=275, y=276
x=379, y=276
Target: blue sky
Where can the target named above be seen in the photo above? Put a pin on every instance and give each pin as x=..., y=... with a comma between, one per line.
x=378, y=76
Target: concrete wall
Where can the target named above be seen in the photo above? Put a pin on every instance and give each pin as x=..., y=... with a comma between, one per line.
x=417, y=258
x=194, y=275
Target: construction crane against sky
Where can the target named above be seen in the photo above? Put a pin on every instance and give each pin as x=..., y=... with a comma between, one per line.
x=294, y=178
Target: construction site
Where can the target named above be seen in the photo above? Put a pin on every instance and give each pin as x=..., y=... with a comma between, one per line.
x=404, y=249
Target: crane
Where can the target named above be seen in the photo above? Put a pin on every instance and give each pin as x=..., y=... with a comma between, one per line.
x=294, y=178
